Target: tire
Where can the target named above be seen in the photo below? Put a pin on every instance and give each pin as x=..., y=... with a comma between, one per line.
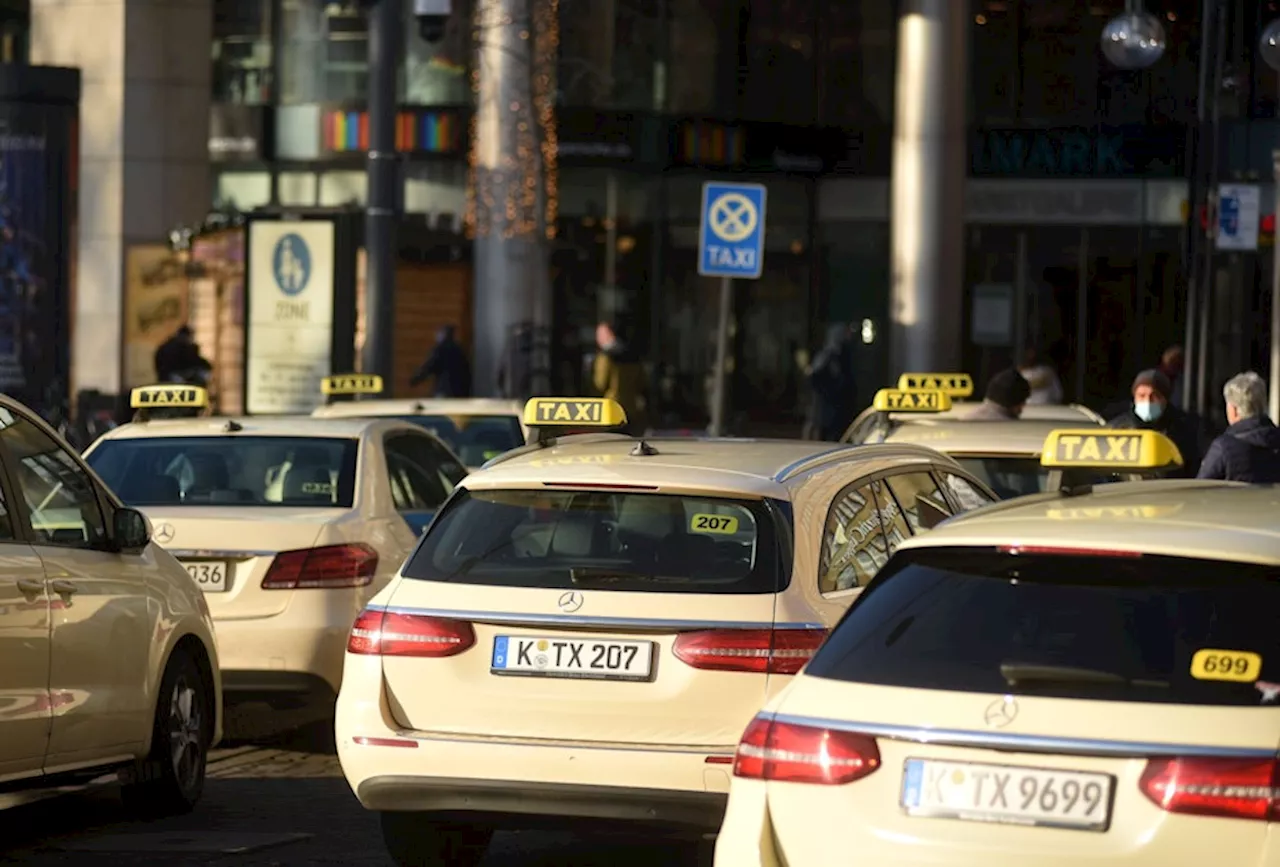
x=171, y=779
x=414, y=840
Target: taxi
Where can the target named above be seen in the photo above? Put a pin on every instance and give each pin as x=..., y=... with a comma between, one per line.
x=289, y=525
x=1004, y=454
x=604, y=613
x=475, y=428
x=1074, y=677
x=80, y=574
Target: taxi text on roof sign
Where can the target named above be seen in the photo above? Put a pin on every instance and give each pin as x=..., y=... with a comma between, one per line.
x=352, y=383
x=1112, y=449
x=148, y=396
x=573, y=412
x=954, y=384
x=899, y=400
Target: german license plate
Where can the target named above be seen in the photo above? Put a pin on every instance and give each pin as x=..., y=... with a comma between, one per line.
x=1007, y=794
x=590, y=659
x=210, y=575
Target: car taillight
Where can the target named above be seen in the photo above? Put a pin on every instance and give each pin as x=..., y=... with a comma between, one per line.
x=352, y=565
x=1235, y=788
x=789, y=753
x=390, y=633
x=766, y=651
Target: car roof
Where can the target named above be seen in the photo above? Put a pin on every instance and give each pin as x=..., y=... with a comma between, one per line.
x=1016, y=437
x=749, y=467
x=257, y=425
x=1177, y=517
x=421, y=406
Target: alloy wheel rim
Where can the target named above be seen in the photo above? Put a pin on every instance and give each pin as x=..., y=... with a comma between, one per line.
x=185, y=726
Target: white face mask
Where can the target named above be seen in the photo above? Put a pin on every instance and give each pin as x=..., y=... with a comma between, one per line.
x=1148, y=410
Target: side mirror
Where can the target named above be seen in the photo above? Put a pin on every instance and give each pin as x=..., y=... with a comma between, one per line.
x=931, y=514
x=132, y=531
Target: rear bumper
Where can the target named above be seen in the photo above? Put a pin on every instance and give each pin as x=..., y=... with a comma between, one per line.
x=695, y=812
x=282, y=690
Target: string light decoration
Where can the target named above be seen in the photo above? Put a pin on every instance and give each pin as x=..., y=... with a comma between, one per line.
x=512, y=178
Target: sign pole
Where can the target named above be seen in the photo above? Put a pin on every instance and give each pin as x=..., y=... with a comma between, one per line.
x=722, y=354
x=1274, y=384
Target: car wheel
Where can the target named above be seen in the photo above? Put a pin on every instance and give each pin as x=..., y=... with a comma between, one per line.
x=171, y=779
x=414, y=840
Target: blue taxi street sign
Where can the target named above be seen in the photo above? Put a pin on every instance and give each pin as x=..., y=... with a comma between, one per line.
x=731, y=234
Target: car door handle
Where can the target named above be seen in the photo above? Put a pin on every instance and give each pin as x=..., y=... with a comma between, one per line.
x=31, y=588
x=63, y=588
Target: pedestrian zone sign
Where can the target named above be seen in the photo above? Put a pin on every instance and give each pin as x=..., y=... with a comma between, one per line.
x=731, y=234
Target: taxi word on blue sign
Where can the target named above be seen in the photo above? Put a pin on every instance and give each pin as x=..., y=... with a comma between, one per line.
x=1132, y=449
x=352, y=383
x=573, y=412
x=731, y=233
x=149, y=396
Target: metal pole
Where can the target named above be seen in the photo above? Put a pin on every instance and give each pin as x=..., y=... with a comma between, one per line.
x=722, y=352
x=1274, y=403
x=1211, y=188
x=1020, y=300
x=386, y=29
x=1195, y=192
x=1082, y=313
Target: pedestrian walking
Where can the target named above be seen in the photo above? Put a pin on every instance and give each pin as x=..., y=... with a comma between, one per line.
x=1150, y=409
x=515, y=370
x=1046, y=387
x=833, y=388
x=1249, y=449
x=1006, y=395
x=616, y=373
x=447, y=362
x=1171, y=365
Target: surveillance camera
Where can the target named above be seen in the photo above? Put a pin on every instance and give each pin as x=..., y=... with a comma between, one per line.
x=432, y=16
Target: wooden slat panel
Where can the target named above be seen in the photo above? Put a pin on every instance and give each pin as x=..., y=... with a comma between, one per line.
x=428, y=297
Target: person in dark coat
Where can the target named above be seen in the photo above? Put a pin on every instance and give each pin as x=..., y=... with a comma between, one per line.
x=1151, y=410
x=515, y=370
x=831, y=377
x=448, y=363
x=1249, y=450
x=178, y=359
x=1006, y=395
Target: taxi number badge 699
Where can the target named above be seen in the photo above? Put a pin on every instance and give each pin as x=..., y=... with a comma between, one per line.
x=586, y=659
x=1007, y=794
x=210, y=575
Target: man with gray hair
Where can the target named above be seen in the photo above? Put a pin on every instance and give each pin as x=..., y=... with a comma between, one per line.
x=1249, y=450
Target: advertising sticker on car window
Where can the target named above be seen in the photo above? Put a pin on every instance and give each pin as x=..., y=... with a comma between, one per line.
x=1239, y=666
x=724, y=524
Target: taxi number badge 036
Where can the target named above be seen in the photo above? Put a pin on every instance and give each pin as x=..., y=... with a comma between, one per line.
x=899, y=400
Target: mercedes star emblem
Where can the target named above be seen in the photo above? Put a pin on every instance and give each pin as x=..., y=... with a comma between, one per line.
x=570, y=602
x=164, y=533
x=1001, y=712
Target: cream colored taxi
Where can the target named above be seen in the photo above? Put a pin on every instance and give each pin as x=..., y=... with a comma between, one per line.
x=582, y=633
x=476, y=428
x=1062, y=679
x=107, y=654
x=1004, y=454
x=289, y=525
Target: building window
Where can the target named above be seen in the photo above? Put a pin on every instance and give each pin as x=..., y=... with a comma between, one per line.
x=438, y=73
x=858, y=63
x=611, y=54
x=242, y=70
x=324, y=55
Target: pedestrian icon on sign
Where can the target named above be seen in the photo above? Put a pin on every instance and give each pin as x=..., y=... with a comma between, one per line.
x=292, y=264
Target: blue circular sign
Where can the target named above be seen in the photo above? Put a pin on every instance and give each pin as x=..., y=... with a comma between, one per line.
x=291, y=264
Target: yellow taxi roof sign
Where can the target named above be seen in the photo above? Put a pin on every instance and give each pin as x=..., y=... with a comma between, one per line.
x=573, y=412
x=352, y=383
x=1110, y=450
x=913, y=400
x=174, y=394
x=954, y=384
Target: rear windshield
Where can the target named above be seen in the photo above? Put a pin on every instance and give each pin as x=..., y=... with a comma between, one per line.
x=474, y=438
x=249, y=471
x=602, y=540
x=1144, y=629
x=1013, y=477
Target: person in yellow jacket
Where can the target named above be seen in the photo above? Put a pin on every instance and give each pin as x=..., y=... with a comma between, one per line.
x=617, y=375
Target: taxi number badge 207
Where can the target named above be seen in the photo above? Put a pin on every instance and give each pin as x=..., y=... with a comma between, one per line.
x=532, y=656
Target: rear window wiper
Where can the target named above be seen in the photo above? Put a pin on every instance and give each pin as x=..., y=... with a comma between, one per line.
x=1031, y=674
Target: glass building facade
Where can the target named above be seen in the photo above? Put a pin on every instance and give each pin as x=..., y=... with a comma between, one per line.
x=1076, y=201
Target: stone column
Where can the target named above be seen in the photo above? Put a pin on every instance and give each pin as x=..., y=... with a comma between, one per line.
x=513, y=168
x=144, y=146
x=929, y=168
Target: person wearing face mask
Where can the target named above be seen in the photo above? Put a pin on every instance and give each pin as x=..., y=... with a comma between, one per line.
x=1151, y=410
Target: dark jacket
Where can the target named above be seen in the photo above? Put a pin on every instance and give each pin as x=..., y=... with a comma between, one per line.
x=515, y=370
x=831, y=377
x=448, y=364
x=179, y=360
x=1186, y=431
x=1249, y=451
